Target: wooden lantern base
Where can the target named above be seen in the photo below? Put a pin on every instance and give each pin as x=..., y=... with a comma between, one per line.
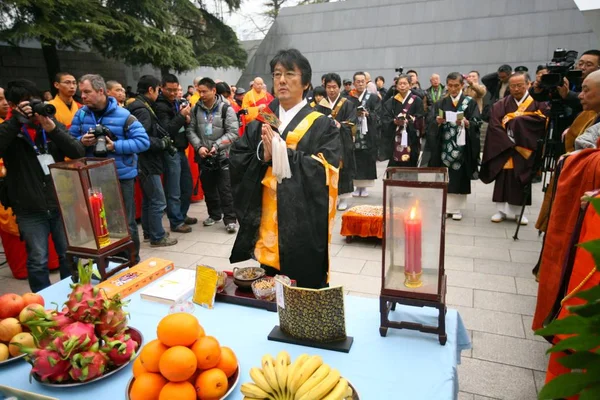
x=102, y=260
x=387, y=304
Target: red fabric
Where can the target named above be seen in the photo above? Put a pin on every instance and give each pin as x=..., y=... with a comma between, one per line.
x=138, y=200
x=581, y=173
x=16, y=255
x=195, y=176
x=354, y=224
x=242, y=119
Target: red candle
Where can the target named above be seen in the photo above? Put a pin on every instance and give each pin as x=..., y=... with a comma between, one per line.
x=98, y=216
x=412, y=246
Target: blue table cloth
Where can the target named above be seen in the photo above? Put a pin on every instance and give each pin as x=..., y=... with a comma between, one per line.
x=404, y=365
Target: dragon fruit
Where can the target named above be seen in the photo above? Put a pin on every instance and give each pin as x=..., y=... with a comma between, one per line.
x=49, y=366
x=119, y=349
x=45, y=325
x=113, y=319
x=88, y=364
x=73, y=338
x=85, y=301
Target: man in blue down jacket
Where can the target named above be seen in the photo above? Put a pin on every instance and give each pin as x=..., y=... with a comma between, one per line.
x=126, y=138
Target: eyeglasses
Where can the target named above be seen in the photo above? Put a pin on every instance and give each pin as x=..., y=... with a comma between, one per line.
x=169, y=90
x=288, y=75
x=69, y=83
x=517, y=85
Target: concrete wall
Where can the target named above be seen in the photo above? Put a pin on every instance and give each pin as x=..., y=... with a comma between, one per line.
x=427, y=35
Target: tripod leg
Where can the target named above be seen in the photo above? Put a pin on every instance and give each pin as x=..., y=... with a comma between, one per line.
x=523, y=205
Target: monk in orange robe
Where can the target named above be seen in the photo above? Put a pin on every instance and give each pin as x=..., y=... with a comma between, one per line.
x=66, y=106
x=256, y=99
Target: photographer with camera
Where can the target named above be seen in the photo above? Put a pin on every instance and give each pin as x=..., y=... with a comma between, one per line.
x=174, y=117
x=150, y=165
x=30, y=140
x=213, y=129
x=107, y=130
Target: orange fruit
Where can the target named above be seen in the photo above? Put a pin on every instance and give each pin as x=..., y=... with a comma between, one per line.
x=147, y=386
x=192, y=379
x=150, y=355
x=179, y=329
x=178, y=363
x=208, y=352
x=138, y=368
x=228, y=362
x=211, y=384
x=178, y=391
x=201, y=331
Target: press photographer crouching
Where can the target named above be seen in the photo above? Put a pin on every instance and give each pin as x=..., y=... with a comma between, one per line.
x=107, y=130
x=151, y=162
x=30, y=140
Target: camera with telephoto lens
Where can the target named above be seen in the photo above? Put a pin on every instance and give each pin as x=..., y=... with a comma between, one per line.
x=100, y=132
x=41, y=108
x=559, y=68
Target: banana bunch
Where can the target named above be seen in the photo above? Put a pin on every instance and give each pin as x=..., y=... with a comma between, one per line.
x=307, y=378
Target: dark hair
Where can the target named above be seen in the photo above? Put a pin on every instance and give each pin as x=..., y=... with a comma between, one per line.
x=223, y=89
x=323, y=77
x=380, y=78
x=521, y=73
x=209, y=83
x=452, y=76
x=505, y=68
x=319, y=91
x=190, y=86
x=333, y=77
x=592, y=53
x=291, y=58
x=477, y=72
x=358, y=73
x=402, y=76
x=59, y=76
x=540, y=67
x=146, y=82
x=20, y=90
x=412, y=71
x=169, y=78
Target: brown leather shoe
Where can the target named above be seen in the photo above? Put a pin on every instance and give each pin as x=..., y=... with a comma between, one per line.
x=182, y=229
x=190, y=221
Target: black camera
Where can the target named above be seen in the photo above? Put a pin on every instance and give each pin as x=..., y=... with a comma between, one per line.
x=100, y=132
x=41, y=108
x=399, y=70
x=559, y=68
x=243, y=111
x=183, y=103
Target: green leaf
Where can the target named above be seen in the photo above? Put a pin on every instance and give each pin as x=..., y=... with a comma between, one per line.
x=592, y=294
x=586, y=310
x=593, y=247
x=591, y=393
x=595, y=202
x=568, y=325
x=580, y=360
x=565, y=385
x=577, y=343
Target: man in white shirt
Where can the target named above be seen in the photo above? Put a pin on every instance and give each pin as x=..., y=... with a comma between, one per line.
x=285, y=223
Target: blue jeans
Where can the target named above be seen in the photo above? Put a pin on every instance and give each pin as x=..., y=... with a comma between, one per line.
x=153, y=206
x=178, y=187
x=128, y=191
x=35, y=228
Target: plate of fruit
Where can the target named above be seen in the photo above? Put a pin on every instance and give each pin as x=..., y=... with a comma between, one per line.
x=183, y=363
x=87, y=341
x=306, y=378
x=14, y=333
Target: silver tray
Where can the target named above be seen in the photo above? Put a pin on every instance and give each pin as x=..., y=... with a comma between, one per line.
x=8, y=361
x=233, y=382
x=135, y=335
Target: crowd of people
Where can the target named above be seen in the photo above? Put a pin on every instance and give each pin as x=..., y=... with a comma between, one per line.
x=351, y=124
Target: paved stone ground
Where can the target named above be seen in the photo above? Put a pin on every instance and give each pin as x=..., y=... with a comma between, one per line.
x=489, y=279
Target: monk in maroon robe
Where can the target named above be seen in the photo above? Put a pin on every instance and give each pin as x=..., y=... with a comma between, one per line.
x=516, y=124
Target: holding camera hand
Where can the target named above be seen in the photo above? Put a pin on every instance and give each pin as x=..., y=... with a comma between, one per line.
x=185, y=111
x=203, y=152
x=110, y=145
x=46, y=123
x=24, y=108
x=88, y=139
x=563, y=90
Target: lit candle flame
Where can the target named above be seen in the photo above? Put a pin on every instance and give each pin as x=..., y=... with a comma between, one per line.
x=413, y=212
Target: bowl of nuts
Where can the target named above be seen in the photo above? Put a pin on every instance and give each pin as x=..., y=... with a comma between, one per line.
x=243, y=277
x=264, y=289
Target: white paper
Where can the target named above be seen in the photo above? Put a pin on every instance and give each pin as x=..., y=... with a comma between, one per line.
x=451, y=116
x=461, y=139
x=279, y=293
x=404, y=140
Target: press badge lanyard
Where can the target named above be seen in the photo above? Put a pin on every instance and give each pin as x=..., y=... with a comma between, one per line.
x=209, y=125
x=44, y=159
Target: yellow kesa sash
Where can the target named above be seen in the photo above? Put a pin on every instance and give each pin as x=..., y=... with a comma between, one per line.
x=266, y=250
x=399, y=98
x=338, y=107
x=64, y=114
x=526, y=153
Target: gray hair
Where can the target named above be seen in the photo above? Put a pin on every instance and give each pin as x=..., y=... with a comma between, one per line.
x=196, y=80
x=111, y=84
x=95, y=80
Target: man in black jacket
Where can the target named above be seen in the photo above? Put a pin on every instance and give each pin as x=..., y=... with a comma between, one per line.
x=29, y=142
x=150, y=164
x=496, y=83
x=177, y=177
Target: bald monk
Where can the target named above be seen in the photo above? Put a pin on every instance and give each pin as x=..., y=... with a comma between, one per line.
x=256, y=99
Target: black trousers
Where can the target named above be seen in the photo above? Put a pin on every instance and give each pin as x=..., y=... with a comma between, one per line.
x=216, y=184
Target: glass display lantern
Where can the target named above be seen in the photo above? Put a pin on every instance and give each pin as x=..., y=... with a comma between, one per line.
x=91, y=205
x=414, y=214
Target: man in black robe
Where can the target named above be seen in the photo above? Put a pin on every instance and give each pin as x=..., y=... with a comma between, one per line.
x=343, y=114
x=285, y=223
x=368, y=111
x=401, y=126
x=517, y=122
x=456, y=116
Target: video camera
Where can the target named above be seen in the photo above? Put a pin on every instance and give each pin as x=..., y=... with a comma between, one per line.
x=100, y=132
x=399, y=70
x=559, y=68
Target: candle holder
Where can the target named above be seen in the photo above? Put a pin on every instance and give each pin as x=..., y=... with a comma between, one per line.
x=414, y=215
x=93, y=214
